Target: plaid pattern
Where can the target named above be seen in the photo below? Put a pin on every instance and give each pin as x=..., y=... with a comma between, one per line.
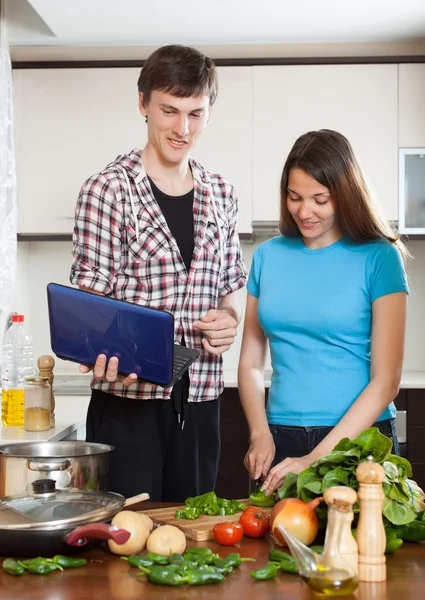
x=108, y=258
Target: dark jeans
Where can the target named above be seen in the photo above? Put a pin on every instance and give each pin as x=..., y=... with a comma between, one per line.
x=153, y=452
x=299, y=441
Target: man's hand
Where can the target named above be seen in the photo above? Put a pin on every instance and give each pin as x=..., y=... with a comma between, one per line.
x=219, y=329
x=109, y=371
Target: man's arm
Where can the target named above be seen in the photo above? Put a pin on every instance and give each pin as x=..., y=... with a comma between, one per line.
x=230, y=304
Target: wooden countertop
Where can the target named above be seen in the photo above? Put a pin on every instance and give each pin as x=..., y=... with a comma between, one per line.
x=106, y=577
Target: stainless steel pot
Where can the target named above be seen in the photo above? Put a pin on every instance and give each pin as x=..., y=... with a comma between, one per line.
x=48, y=521
x=73, y=465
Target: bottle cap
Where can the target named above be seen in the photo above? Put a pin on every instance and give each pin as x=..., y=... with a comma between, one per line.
x=17, y=318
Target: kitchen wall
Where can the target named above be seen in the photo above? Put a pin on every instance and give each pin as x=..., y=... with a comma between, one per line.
x=42, y=262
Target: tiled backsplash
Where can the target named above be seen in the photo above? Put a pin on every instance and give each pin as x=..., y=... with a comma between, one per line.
x=42, y=262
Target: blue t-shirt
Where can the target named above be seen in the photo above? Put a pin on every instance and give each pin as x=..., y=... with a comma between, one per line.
x=315, y=307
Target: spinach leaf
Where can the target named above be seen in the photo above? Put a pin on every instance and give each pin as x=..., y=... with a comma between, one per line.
x=373, y=442
x=403, y=465
x=400, y=505
x=289, y=487
x=350, y=456
x=391, y=470
x=398, y=512
x=338, y=476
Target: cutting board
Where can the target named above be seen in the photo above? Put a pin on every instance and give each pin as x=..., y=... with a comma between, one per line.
x=200, y=529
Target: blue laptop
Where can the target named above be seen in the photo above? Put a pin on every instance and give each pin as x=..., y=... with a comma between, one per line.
x=84, y=325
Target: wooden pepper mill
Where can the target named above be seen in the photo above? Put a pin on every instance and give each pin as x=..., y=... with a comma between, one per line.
x=348, y=548
x=370, y=536
x=45, y=365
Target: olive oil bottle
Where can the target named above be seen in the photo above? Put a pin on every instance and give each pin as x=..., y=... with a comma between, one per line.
x=328, y=574
x=332, y=582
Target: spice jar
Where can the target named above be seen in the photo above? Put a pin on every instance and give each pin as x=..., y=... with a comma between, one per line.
x=37, y=404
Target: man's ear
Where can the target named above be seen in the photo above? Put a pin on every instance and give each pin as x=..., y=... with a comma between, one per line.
x=142, y=107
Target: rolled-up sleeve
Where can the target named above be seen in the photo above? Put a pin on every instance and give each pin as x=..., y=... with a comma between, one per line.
x=97, y=237
x=234, y=274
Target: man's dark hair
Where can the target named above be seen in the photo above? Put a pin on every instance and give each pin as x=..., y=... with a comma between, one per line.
x=178, y=70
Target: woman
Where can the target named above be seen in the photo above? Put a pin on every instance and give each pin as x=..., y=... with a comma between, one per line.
x=329, y=295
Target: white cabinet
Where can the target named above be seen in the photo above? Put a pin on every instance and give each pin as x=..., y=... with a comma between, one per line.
x=70, y=123
x=359, y=101
x=411, y=106
x=412, y=190
x=226, y=145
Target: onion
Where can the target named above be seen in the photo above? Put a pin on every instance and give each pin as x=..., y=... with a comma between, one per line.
x=298, y=517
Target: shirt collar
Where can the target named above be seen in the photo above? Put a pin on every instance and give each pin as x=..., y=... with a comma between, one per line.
x=134, y=165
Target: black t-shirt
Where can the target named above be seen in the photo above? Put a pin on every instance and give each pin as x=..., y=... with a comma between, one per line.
x=178, y=212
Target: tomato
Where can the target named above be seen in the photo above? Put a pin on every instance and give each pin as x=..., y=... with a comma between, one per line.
x=228, y=534
x=255, y=522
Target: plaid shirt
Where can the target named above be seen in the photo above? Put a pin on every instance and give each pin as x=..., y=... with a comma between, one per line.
x=149, y=270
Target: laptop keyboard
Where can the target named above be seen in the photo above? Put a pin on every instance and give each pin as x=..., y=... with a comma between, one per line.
x=179, y=362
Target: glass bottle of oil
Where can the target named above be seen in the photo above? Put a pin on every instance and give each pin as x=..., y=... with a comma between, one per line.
x=333, y=575
x=327, y=574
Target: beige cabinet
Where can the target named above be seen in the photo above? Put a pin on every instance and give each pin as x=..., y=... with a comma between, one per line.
x=226, y=145
x=70, y=123
x=360, y=101
x=411, y=106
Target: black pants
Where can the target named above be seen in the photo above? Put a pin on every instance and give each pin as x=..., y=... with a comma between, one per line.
x=299, y=441
x=153, y=452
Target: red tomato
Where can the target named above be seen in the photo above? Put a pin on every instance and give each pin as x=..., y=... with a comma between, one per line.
x=255, y=522
x=228, y=534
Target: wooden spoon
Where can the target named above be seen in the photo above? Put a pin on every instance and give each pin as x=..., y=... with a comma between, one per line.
x=135, y=499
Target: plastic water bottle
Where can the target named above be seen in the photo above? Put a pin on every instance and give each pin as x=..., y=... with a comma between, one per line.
x=18, y=362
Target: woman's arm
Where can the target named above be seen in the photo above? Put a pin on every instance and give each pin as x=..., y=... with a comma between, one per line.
x=251, y=391
x=387, y=350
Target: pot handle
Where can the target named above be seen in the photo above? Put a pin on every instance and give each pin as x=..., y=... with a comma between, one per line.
x=98, y=531
x=48, y=466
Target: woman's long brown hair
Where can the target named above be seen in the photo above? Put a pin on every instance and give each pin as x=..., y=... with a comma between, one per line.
x=327, y=156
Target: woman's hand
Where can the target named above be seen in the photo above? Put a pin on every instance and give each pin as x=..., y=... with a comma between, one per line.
x=109, y=371
x=260, y=456
x=276, y=475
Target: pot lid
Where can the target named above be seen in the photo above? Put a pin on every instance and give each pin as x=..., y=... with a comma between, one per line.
x=47, y=507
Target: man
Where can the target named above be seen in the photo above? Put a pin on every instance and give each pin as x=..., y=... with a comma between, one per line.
x=155, y=228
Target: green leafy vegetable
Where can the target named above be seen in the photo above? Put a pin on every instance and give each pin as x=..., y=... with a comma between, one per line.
x=208, y=504
x=403, y=501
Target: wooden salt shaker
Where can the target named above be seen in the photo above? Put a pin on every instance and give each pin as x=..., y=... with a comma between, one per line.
x=347, y=546
x=45, y=365
x=370, y=529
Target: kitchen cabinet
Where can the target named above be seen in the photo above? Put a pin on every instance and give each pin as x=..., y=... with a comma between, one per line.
x=412, y=190
x=233, y=480
x=415, y=405
x=359, y=101
x=226, y=145
x=411, y=99
x=70, y=123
